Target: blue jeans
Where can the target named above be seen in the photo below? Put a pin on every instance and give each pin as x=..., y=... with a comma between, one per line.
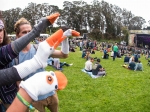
x=115, y=54
x=80, y=48
x=49, y=61
x=62, y=64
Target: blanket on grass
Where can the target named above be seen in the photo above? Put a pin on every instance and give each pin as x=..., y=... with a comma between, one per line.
x=90, y=74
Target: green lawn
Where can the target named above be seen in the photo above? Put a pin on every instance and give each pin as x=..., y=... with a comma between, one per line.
x=121, y=90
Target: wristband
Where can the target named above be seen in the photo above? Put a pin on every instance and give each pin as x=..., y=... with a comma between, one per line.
x=25, y=102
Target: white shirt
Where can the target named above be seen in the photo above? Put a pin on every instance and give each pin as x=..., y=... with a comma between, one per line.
x=88, y=65
x=130, y=60
x=112, y=53
x=81, y=43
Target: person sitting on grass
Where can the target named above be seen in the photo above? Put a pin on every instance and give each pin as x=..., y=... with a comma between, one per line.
x=92, y=51
x=58, y=65
x=131, y=66
x=83, y=53
x=98, y=69
x=106, y=55
x=87, y=56
x=131, y=58
x=126, y=59
x=71, y=49
x=139, y=66
x=119, y=54
x=88, y=65
x=136, y=57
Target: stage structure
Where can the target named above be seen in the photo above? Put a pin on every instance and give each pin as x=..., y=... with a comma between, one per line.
x=139, y=38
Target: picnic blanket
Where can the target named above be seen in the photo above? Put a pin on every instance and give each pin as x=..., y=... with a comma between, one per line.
x=90, y=74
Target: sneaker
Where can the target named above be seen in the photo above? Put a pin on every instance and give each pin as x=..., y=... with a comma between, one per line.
x=71, y=64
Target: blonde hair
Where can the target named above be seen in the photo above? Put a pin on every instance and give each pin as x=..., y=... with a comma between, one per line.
x=20, y=22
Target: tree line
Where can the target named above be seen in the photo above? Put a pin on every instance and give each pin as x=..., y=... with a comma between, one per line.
x=99, y=19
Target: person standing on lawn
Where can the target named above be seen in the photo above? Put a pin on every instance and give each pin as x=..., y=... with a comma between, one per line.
x=115, y=50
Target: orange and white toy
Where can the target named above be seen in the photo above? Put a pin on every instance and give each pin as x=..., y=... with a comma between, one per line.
x=65, y=43
x=45, y=49
x=53, y=17
x=43, y=83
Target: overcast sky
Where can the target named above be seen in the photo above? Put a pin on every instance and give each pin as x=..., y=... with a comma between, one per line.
x=137, y=7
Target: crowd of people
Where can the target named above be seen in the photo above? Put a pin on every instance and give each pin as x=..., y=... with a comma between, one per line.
x=131, y=55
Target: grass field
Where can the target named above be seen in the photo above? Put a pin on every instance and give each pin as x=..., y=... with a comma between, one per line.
x=121, y=90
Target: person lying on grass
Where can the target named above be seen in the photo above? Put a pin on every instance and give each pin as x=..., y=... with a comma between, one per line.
x=59, y=65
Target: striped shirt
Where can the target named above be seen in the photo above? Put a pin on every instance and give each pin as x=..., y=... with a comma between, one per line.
x=6, y=56
x=7, y=92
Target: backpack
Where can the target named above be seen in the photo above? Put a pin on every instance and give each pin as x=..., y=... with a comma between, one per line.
x=16, y=60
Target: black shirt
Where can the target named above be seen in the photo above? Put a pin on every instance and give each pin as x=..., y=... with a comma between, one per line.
x=132, y=65
x=96, y=68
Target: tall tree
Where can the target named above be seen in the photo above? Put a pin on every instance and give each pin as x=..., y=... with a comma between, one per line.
x=10, y=17
x=136, y=23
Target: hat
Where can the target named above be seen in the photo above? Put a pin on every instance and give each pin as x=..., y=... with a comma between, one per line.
x=1, y=24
